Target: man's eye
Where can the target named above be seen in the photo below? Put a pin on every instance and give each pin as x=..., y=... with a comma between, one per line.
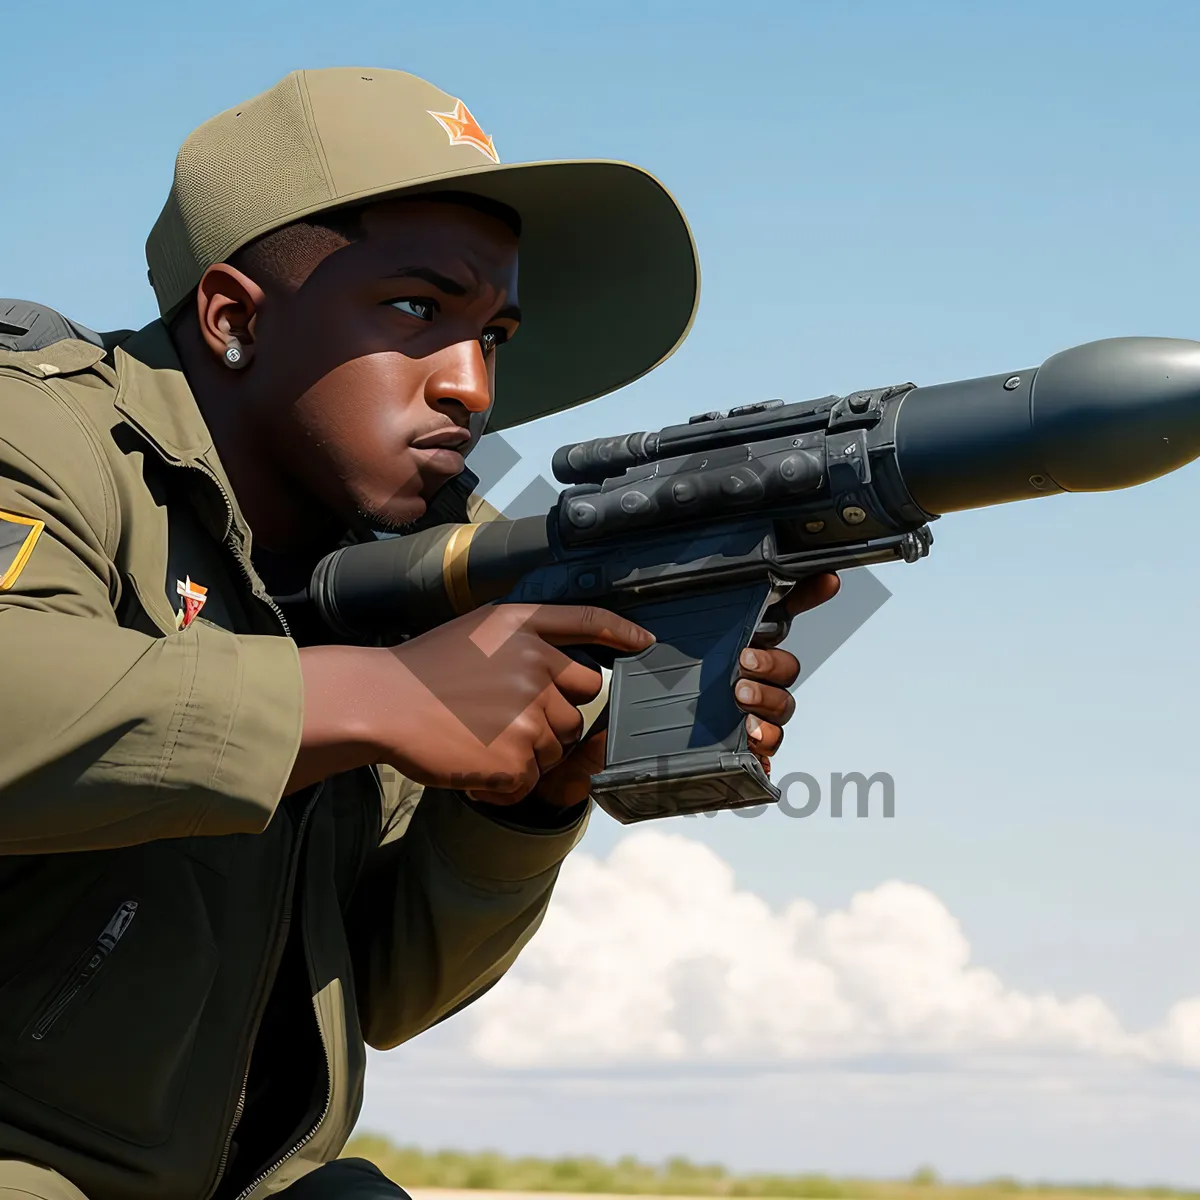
x=491, y=338
x=421, y=309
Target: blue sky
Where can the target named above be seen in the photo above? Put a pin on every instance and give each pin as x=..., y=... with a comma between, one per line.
x=880, y=192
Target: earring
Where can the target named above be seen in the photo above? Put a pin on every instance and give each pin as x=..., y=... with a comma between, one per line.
x=235, y=356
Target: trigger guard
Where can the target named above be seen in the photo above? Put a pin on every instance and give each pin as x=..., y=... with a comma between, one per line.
x=764, y=636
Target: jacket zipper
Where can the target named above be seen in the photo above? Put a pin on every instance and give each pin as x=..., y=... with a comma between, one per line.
x=316, y=1125
x=263, y=598
x=286, y=919
x=320, y=1119
x=247, y=577
x=89, y=966
x=285, y=923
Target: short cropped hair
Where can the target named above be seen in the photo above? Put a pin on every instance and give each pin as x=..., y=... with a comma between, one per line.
x=287, y=255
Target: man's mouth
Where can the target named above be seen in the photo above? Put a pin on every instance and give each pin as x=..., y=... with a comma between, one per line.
x=451, y=437
x=440, y=451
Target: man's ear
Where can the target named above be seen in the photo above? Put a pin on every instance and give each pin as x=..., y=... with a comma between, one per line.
x=227, y=308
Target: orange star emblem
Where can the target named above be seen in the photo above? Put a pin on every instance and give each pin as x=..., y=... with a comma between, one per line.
x=464, y=130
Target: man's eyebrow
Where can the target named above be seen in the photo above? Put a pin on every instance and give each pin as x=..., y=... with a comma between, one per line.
x=451, y=287
x=442, y=282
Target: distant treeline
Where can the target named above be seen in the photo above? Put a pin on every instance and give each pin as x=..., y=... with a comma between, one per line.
x=486, y=1170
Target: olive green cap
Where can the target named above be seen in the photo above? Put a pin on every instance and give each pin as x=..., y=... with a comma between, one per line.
x=609, y=277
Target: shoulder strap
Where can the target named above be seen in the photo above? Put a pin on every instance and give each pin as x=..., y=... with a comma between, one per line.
x=28, y=326
x=37, y=339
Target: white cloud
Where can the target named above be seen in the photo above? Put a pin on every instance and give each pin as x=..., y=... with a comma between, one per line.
x=653, y=955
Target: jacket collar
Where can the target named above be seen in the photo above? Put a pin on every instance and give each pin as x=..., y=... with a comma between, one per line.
x=154, y=397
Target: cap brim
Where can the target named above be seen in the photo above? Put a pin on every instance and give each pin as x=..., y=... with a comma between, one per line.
x=609, y=279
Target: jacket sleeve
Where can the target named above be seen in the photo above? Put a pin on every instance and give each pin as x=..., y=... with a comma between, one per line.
x=111, y=737
x=444, y=907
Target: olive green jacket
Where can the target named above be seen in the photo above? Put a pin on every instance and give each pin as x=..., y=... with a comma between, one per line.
x=149, y=871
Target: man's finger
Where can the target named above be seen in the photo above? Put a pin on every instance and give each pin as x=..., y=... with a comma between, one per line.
x=760, y=700
x=503, y=791
x=564, y=720
x=777, y=620
x=809, y=593
x=771, y=666
x=764, y=738
x=550, y=745
x=577, y=682
x=570, y=783
x=583, y=625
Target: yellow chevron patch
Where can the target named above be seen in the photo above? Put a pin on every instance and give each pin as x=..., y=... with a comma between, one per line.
x=18, y=536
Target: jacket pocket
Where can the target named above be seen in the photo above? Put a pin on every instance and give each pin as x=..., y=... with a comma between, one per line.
x=84, y=971
x=101, y=1024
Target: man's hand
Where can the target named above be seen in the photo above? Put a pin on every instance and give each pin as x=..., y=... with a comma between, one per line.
x=761, y=692
x=486, y=703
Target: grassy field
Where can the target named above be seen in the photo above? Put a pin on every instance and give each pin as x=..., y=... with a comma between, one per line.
x=452, y=1169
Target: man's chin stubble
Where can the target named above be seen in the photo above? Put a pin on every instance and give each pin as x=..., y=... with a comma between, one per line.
x=382, y=522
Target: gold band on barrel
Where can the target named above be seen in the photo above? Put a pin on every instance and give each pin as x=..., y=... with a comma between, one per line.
x=454, y=569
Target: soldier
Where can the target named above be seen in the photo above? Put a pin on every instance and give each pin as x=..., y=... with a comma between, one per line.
x=216, y=880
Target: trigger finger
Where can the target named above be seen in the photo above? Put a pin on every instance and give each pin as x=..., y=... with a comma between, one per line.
x=812, y=592
x=565, y=721
x=773, y=627
x=578, y=683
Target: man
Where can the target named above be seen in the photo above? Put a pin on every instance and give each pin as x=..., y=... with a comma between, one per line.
x=216, y=882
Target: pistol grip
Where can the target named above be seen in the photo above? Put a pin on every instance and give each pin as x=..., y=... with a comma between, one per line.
x=677, y=741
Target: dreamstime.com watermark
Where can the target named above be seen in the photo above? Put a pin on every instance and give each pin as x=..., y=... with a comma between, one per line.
x=801, y=796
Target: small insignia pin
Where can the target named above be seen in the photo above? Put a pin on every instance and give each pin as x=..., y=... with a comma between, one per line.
x=464, y=130
x=193, y=601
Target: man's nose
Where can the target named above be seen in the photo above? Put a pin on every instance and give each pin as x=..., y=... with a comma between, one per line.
x=461, y=376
